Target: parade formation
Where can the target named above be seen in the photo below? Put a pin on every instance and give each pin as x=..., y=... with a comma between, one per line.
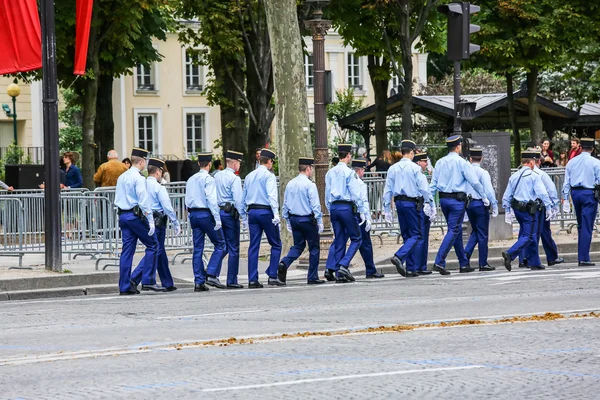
x=220, y=207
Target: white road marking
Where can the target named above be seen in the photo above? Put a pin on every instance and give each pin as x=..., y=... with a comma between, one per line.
x=211, y=314
x=342, y=377
x=68, y=356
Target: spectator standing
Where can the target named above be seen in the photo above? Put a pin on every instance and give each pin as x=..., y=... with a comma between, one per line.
x=575, y=149
x=74, y=179
x=6, y=187
x=127, y=162
x=547, y=155
x=562, y=159
x=383, y=162
x=218, y=167
x=335, y=161
x=109, y=172
x=257, y=158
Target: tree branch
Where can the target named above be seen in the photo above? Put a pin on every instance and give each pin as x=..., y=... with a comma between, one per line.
x=247, y=42
x=240, y=91
x=423, y=15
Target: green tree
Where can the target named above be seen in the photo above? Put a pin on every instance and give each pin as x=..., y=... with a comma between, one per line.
x=70, y=135
x=472, y=81
x=347, y=103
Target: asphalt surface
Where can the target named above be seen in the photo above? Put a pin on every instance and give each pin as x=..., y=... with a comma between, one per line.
x=154, y=345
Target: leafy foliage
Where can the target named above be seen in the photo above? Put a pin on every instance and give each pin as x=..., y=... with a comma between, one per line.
x=346, y=104
x=474, y=81
x=70, y=136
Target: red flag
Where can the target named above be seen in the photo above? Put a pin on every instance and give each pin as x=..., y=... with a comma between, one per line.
x=83, y=9
x=20, y=36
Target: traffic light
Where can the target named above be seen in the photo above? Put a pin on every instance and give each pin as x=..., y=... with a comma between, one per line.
x=460, y=29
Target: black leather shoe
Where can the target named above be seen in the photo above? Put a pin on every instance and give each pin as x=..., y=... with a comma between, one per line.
x=486, y=267
x=255, y=285
x=201, y=287
x=376, y=275
x=538, y=268
x=215, y=282
x=134, y=287
x=586, y=264
x=317, y=282
x=523, y=264
x=234, y=286
x=129, y=293
x=330, y=275
x=440, y=269
x=153, y=288
x=275, y=282
x=346, y=273
x=282, y=272
x=559, y=260
x=399, y=265
x=507, y=260
x=342, y=279
x=467, y=269
x=424, y=272
x=170, y=289
x=412, y=274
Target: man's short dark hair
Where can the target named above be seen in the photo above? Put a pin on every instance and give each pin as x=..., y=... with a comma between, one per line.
x=526, y=160
x=264, y=160
x=476, y=158
x=406, y=150
x=203, y=164
x=335, y=160
x=217, y=164
x=303, y=168
x=453, y=147
x=152, y=169
x=343, y=155
x=135, y=160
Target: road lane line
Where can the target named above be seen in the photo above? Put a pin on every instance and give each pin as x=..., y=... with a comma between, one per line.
x=211, y=314
x=67, y=356
x=342, y=377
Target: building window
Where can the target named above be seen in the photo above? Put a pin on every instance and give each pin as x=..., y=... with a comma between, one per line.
x=145, y=78
x=146, y=131
x=194, y=126
x=193, y=73
x=309, y=71
x=354, y=76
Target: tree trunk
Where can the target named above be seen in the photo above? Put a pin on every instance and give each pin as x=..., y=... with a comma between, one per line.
x=380, y=89
x=407, y=95
x=291, y=105
x=104, y=126
x=535, y=122
x=512, y=113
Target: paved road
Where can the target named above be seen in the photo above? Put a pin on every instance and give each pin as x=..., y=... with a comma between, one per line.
x=148, y=346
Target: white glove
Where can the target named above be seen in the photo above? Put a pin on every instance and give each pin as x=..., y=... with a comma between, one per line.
x=218, y=226
x=566, y=206
x=177, y=228
x=486, y=202
x=368, y=226
x=276, y=221
x=244, y=224
x=388, y=218
x=320, y=227
x=362, y=220
x=289, y=227
x=495, y=211
x=427, y=209
x=152, y=229
x=549, y=214
x=508, y=218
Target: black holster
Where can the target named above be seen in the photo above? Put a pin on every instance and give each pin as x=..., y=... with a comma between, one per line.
x=355, y=209
x=160, y=219
x=137, y=211
x=230, y=209
x=419, y=204
x=597, y=193
x=313, y=220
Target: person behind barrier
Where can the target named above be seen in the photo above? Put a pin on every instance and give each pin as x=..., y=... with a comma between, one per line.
x=109, y=172
x=366, y=246
x=544, y=232
x=422, y=247
x=136, y=222
x=230, y=199
x=205, y=220
x=4, y=186
x=302, y=211
x=582, y=180
x=408, y=188
x=162, y=210
x=74, y=179
x=344, y=202
x=451, y=177
x=479, y=215
x=525, y=195
x=261, y=201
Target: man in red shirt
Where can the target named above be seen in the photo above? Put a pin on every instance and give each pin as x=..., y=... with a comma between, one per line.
x=575, y=148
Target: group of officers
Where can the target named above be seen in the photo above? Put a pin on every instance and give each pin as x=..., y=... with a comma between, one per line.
x=219, y=207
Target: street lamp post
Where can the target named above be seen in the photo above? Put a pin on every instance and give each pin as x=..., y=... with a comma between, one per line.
x=14, y=91
x=318, y=28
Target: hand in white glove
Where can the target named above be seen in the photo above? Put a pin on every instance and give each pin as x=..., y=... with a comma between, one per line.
x=466, y=218
x=388, y=218
x=508, y=218
x=152, y=229
x=494, y=211
x=218, y=226
x=289, y=227
x=549, y=214
x=486, y=202
x=244, y=224
x=427, y=209
x=320, y=227
x=276, y=221
x=368, y=226
x=177, y=228
x=566, y=206
x=363, y=219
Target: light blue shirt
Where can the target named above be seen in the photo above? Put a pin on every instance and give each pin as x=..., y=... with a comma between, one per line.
x=229, y=190
x=484, y=179
x=159, y=198
x=583, y=170
x=260, y=187
x=365, y=210
x=525, y=185
x=405, y=178
x=302, y=198
x=453, y=174
x=549, y=185
x=201, y=192
x=131, y=191
x=341, y=184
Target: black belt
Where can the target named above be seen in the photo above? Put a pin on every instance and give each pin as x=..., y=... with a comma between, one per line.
x=300, y=216
x=258, y=207
x=454, y=195
x=402, y=197
x=198, y=209
x=121, y=211
x=580, y=188
x=343, y=202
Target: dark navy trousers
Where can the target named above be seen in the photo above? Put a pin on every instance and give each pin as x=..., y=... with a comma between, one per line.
x=259, y=221
x=528, y=229
x=133, y=229
x=545, y=234
x=586, y=208
x=422, y=248
x=305, y=231
x=479, y=216
x=203, y=224
x=345, y=226
x=231, y=231
x=162, y=263
x=454, y=211
x=411, y=226
x=366, y=251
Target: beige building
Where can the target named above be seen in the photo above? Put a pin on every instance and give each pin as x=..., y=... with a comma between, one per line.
x=161, y=107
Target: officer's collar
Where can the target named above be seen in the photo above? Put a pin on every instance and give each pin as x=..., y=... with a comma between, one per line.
x=153, y=178
x=230, y=169
x=203, y=171
x=135, y=168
